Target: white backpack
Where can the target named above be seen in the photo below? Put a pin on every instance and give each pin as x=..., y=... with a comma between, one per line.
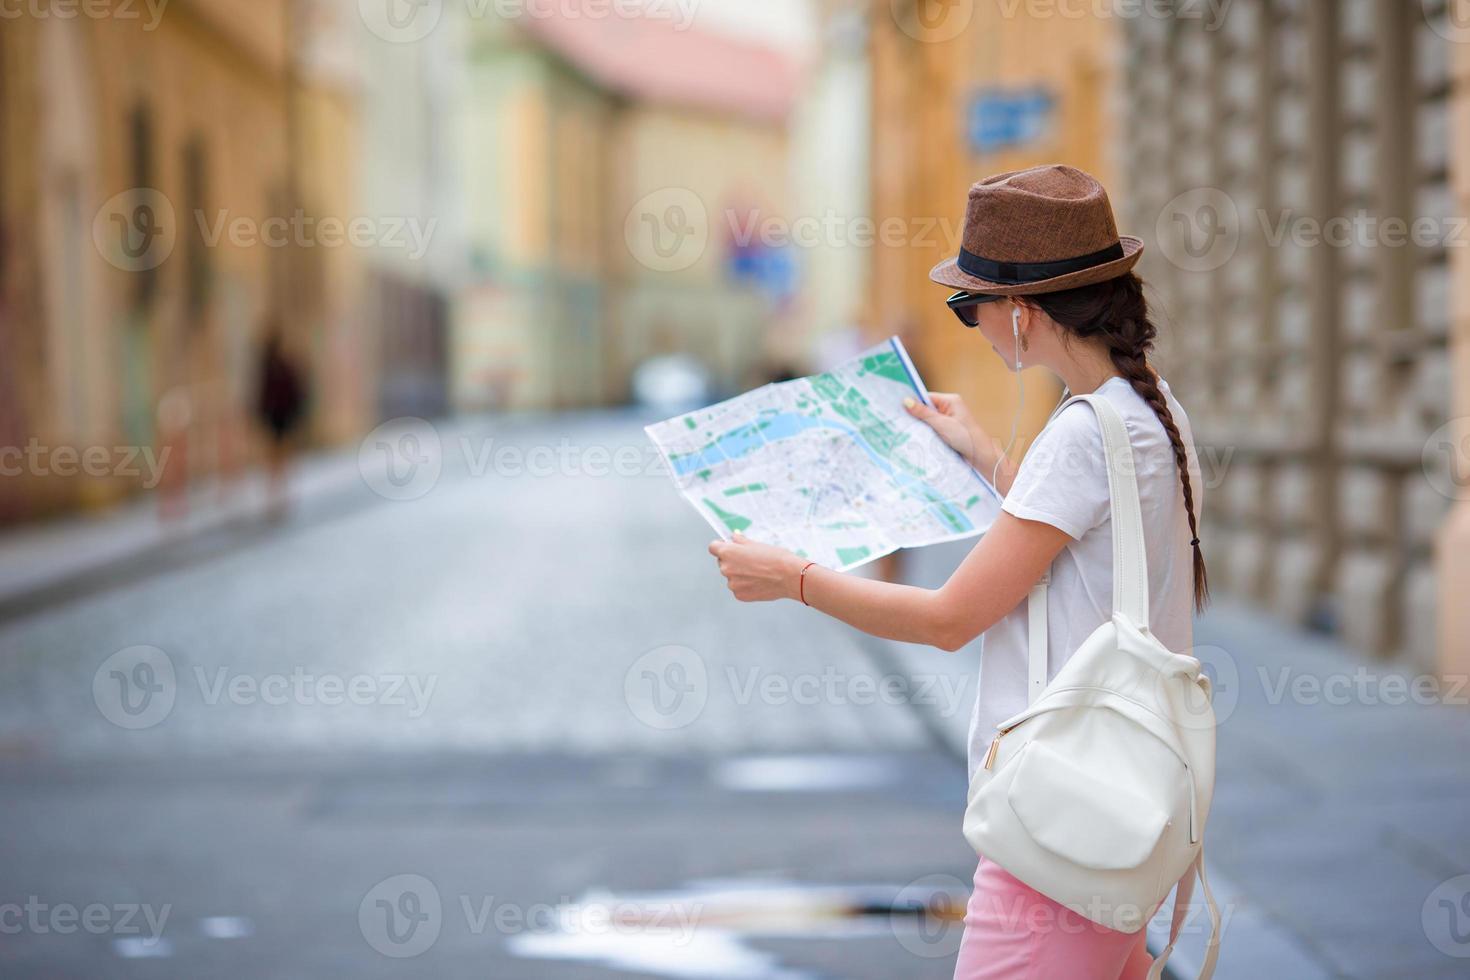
x=1096, y=795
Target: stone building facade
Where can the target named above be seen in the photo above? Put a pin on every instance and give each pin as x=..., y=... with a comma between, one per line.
x=1290, y=170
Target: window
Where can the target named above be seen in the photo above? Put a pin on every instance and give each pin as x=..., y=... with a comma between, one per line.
x=197, y=267
x=141, y=144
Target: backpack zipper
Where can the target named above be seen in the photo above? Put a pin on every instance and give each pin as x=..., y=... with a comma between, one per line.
x=995, y=746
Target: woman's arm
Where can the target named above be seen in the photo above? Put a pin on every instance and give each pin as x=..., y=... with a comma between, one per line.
x=990, y=582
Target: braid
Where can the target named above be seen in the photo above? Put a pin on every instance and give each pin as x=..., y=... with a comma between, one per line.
x=1116, y=312
x=1134, y=367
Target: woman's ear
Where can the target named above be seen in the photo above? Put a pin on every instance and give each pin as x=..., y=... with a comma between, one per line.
x=1031, y=320
x=1023, y=320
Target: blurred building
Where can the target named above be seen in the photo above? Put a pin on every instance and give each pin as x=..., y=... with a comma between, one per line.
x=606, y=161
x=831, y=191
x=962, y=91
x=1276, y=163
x=408, y=169
x=130, y=312
x=1452, y=545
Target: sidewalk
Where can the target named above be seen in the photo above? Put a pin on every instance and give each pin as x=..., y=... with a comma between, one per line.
x=1340, y=805
x=39, y=563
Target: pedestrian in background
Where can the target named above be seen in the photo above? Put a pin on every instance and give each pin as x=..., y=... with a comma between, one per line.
x=280, y=404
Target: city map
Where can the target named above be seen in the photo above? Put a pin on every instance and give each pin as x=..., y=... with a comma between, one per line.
x=831, y=467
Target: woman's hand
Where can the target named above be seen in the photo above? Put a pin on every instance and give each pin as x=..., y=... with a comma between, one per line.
x=758, y=572
x=951, y=420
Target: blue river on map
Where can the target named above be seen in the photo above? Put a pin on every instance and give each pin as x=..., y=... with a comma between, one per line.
x=783, y=425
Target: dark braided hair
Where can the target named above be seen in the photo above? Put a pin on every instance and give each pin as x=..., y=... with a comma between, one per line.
x=1116, y=312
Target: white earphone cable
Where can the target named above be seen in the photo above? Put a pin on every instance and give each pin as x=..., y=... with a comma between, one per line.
x=1020, y=400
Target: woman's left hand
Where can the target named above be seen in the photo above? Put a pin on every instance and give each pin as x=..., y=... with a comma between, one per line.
x=757, y=572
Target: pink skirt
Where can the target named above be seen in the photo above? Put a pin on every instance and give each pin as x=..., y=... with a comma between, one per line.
x=1013, y=932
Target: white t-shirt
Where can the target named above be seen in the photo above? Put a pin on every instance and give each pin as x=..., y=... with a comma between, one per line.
x=1063, y=481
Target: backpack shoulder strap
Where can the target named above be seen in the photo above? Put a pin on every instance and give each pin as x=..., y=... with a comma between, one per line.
x=1130, y=560
x=1183, y=894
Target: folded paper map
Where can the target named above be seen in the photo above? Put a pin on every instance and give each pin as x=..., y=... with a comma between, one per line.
x=831, y=467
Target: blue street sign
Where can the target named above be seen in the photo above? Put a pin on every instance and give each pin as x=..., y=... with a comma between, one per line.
x=1000, y=118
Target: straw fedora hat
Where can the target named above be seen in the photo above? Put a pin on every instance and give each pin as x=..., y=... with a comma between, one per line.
x=1040, y=230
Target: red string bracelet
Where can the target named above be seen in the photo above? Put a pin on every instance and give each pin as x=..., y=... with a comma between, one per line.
x=801, y=585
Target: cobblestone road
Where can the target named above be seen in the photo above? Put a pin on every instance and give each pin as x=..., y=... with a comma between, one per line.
x=526, y=685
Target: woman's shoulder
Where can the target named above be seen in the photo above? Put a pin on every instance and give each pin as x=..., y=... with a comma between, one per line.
x=1075, y=422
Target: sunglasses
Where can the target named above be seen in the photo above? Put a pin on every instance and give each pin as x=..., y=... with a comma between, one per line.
x=964, y=306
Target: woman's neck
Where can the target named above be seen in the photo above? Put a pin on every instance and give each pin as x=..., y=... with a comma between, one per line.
x=1085, y=374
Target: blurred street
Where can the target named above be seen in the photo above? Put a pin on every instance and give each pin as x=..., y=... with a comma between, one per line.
x=350, y=624
x=494, y=749
x=254, y=732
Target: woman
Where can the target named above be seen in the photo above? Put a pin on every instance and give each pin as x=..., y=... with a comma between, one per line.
x=1047, y=281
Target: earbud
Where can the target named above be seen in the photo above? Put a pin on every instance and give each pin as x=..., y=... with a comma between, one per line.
x=1016, y=333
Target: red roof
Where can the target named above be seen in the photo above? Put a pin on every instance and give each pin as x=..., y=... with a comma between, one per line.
x=653, y=59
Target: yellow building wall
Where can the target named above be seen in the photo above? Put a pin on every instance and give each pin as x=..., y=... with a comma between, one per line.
x=1452, y=544
x=923, y=166
x=98, y=360
x=713, y=173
